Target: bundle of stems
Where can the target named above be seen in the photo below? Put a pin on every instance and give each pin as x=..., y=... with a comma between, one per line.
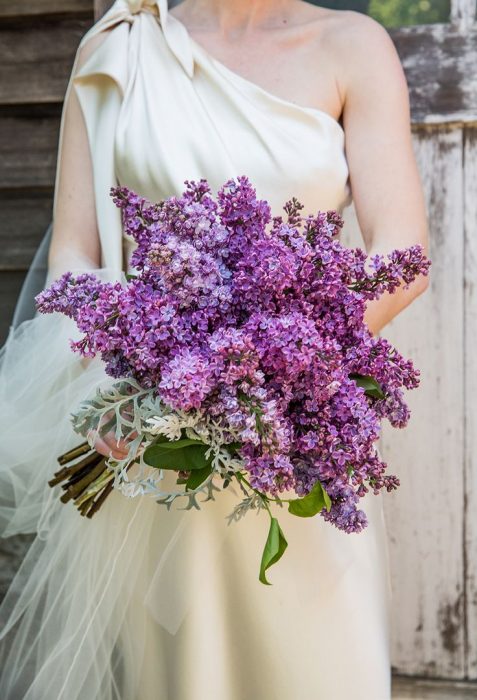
x=85, y=477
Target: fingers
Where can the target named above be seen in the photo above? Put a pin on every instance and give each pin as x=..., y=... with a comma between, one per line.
x=118, y=448
x=106, y=449
x=108, y=446
x=121, y=445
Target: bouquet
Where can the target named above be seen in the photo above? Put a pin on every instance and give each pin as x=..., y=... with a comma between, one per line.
x=237, y=352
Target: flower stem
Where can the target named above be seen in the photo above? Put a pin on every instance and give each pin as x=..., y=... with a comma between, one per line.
x=265, y=499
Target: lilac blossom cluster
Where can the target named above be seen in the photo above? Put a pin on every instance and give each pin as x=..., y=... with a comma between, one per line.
x=259, y=322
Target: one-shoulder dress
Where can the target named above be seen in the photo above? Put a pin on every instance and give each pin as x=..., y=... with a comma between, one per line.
x=142, y=603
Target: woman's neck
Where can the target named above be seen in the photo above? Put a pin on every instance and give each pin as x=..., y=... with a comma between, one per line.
x=235, y=18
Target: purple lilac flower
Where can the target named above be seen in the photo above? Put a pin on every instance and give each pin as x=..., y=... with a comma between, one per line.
x=259, y=322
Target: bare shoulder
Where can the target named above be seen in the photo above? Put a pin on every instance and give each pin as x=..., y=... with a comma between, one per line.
x=354, y=44
x=369, y=76
x=345, y=26
x=361, y=46
x=352, y=25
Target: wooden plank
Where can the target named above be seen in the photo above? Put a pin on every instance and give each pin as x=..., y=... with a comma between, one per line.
x=25, y=218
x=34, y=8
x=439, y=61
x=28, y=150
x=470, y=300
x=419, y=689
x=463, y=12
x=36, y=62
x=10, y=285
x=425, y=516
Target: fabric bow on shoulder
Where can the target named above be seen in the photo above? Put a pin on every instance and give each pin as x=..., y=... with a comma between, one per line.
x=136, y=6
x=174, y=31
x=130, y=11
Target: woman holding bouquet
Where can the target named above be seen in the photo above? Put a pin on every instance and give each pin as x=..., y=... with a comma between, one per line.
x=143, y=602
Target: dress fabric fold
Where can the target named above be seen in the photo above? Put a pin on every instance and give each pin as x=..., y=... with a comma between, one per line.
x=141, y=603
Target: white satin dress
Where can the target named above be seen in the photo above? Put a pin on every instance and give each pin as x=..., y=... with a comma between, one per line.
x=140, y=603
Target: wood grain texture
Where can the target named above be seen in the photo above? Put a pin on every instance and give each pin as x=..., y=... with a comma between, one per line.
x=28, y=147
x=419, y=689
x=470, y=340
x=25, y=217
x=439, y=62
x=35, y=8
x=36, y=62
x=463, y=12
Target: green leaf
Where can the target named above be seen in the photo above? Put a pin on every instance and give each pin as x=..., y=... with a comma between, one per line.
x=311, y=504
x=197, y=477
x=274, y=548
x=371, y=387
x=327, y=500
x=179, y=444
x=188, y=455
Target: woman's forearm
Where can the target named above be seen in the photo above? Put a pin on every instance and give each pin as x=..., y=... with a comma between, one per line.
x=379, y=312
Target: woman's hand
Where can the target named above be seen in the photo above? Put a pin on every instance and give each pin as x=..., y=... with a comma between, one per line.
x=107, y=444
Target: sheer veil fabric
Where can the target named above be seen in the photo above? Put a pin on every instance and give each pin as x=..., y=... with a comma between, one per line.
x=140, y=603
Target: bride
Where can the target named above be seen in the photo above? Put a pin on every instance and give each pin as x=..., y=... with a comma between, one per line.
x=142, y=603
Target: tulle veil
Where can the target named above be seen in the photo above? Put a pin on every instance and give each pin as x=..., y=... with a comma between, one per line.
x=61, y=616
x=76, y=620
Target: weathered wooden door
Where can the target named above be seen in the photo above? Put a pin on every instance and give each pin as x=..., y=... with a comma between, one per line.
x=432, y=519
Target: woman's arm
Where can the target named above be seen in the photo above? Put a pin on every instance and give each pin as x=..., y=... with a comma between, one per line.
x=384, y=178
x=75, y=238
